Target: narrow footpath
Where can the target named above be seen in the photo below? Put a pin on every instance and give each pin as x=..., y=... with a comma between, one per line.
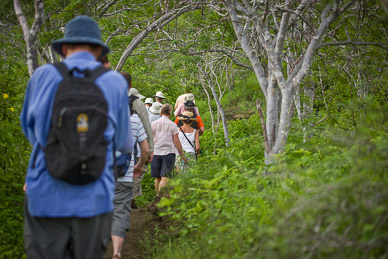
x=143, y=225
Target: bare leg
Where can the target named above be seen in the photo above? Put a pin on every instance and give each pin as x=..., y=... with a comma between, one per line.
x=117, y=243
x=157, y=182
x=163, y=183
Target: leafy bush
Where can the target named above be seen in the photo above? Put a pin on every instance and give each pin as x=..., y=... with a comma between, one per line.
x=323, y=198
x=14, y=150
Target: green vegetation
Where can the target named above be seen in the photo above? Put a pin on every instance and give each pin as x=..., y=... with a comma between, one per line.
x=324, y=198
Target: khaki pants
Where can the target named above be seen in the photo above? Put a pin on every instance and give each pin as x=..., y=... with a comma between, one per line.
x=137, y=190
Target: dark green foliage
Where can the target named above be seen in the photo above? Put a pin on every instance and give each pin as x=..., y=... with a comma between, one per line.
x=14, y=154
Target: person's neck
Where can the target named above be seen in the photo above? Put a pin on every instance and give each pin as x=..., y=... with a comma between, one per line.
x=80, y=49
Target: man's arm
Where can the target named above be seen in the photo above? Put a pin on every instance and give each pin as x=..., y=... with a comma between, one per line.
x=129, y=141
x=179, y=110
x=138, y=106
x=197, y=146
x=201, y=130
x=201, y=126
x=124, y=140
x=144, y=150
x=178, y=146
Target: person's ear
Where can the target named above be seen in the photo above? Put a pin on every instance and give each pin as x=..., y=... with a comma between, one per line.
x=97, y=52
x=64, y=49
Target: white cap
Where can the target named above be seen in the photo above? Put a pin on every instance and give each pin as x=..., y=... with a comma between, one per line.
x=159, y=94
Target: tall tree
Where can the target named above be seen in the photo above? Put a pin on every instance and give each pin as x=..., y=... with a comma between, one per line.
x=280, y=40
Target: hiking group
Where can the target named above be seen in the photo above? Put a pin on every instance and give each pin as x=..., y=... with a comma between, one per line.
x=93, y=138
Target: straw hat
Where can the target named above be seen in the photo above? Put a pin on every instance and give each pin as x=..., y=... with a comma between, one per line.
x=159, y=94
x=187, y=116
x=155, y=108
x=149, y=101
x=135, y=92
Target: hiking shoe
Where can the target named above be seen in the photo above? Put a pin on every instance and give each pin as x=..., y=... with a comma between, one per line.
x=133, y=204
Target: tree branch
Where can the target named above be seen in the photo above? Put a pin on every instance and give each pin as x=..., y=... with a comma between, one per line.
x=349, y=42
x=221, y=51
x=159, y=23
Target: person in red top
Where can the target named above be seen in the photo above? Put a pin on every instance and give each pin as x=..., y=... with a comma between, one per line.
x=198, y=125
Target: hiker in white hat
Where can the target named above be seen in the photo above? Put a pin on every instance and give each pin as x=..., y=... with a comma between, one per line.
x=155, y=111
x=181, y=107
x=135, y=92
x=147, y=104
x=159, y=97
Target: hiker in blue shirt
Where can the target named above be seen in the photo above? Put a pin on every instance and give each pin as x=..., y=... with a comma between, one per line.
x=63, y=220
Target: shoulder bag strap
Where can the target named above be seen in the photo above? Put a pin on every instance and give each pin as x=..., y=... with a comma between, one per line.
x=62, y=68
x=98, y=71
x=189, y=141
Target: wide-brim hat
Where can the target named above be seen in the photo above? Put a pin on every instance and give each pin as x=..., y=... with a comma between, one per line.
x=81, y=29
x=187, y=116
x=159, y=94
x=189, y=97
x=155, y=108
x=149, y=101
x=135, y=92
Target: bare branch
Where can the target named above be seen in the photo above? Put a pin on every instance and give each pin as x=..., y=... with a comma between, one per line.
x=349, y=42
x=219, y=106
x=222, y=51
x=106, y=7
x=256, y=64
x=158, y=24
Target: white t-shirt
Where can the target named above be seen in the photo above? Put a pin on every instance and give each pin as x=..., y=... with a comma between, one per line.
x=139, y=135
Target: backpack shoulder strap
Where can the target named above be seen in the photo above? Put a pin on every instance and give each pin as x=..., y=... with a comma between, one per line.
x=98, y=71
x=131, y=99
x=62, y=68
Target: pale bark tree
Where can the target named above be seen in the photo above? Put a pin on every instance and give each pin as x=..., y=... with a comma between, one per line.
x=218, y=102
x=264, y=27
x=164, y=19
x=30, y=34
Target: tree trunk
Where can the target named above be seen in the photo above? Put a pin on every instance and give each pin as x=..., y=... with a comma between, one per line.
x=252, y=30
x=210, y=107
x=219, y=106
x=30, y=35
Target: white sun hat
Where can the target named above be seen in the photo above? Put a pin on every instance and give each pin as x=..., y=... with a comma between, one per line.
x=159, y=94
x=189, y=97
x=135, y=92
x=149, y=101
x=155, y=108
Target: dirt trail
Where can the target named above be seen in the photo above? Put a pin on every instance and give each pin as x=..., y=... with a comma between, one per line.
x=143, y=224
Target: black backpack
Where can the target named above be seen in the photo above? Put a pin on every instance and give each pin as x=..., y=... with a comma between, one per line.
x=76, y=148
x=123, y=161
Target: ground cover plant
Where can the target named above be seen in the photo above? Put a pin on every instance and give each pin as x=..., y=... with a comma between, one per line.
x=324, y=198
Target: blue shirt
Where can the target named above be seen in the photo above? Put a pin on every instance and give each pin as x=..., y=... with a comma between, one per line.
x=50, y=197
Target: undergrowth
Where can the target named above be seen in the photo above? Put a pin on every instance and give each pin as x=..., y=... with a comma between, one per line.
x=323, y=198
